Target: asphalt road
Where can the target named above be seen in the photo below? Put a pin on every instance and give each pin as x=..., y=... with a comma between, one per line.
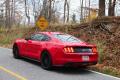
x=23, y=69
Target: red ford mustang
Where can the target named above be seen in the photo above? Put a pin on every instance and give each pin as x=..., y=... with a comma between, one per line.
x=56, y=49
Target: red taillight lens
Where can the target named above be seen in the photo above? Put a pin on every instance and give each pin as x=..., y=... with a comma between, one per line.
x=72, y=50
x=94, y=50
x=65, y=49
x=69, y=50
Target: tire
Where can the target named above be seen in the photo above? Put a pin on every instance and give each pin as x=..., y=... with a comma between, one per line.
x=16, y=52
x=46, y=62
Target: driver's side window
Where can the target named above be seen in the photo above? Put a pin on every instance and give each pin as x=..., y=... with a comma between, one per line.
x=37, y=37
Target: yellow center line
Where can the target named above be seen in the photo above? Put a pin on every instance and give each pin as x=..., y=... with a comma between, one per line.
x=12, y=73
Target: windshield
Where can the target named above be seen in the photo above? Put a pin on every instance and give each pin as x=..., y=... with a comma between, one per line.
x=66, y=38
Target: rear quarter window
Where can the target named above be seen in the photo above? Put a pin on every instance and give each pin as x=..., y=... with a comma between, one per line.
x=66, y=38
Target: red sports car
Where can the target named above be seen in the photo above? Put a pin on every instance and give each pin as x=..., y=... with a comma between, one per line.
x=56, y=49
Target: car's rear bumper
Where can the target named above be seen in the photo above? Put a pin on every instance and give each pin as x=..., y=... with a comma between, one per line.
x=68, y=62
x=80, y=64
x=73, y=60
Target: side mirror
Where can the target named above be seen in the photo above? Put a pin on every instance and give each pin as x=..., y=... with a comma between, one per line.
x=27, y=38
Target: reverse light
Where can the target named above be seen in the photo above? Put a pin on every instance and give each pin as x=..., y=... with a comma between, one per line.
x=68, y=49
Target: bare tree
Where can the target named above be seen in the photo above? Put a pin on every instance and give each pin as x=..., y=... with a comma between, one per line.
x=12, y=12
x=7, y=14
x=68, y=10
x=66, y=6
x=81, y=14
x=50, y=10
x=111, y=10
x=101, y=8
x=36, y=5
x=74, y=18
x=34, y=9
x=45, y=9
x=27, y=11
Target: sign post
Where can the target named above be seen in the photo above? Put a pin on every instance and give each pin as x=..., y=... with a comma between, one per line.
x=42, y=23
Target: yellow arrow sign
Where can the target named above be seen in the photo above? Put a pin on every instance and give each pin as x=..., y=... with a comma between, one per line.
x=42, y=23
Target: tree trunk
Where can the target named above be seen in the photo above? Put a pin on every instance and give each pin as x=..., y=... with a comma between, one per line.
x=44, y=12
x=81, y=15
x=101, y=8
x=111, y=10
x=27, y=12
x=65, y=10
x=50, y=10
x=12, y=12
x=89, y=12
x=66, y=7
x=7, y=13
x=68, y=11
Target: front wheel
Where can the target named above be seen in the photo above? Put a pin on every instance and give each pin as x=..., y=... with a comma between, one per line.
x=16, y=52
x=46, y=62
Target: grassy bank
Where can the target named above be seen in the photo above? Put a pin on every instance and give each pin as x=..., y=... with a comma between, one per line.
x=8, y=37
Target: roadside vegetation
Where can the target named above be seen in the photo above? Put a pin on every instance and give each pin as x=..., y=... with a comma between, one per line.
x=7, y=37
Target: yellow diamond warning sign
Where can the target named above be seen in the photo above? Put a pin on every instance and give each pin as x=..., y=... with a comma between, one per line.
x=42, y=23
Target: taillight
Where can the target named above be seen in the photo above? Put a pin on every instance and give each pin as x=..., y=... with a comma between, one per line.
x=94, y=50
x=69, y=49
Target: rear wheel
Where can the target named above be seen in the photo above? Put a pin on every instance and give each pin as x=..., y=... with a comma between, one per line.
x=46, y=62
x=16, y=52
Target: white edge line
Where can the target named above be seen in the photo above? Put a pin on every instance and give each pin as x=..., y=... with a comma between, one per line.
x=104, y=74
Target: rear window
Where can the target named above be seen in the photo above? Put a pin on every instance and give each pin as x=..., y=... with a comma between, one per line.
x=67, y=38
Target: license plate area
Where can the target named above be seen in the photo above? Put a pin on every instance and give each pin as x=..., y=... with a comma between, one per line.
x=85, y=58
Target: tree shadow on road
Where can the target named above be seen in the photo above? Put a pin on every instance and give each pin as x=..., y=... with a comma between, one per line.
x=31, y=61
x=72, y=71
x=62, y=70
